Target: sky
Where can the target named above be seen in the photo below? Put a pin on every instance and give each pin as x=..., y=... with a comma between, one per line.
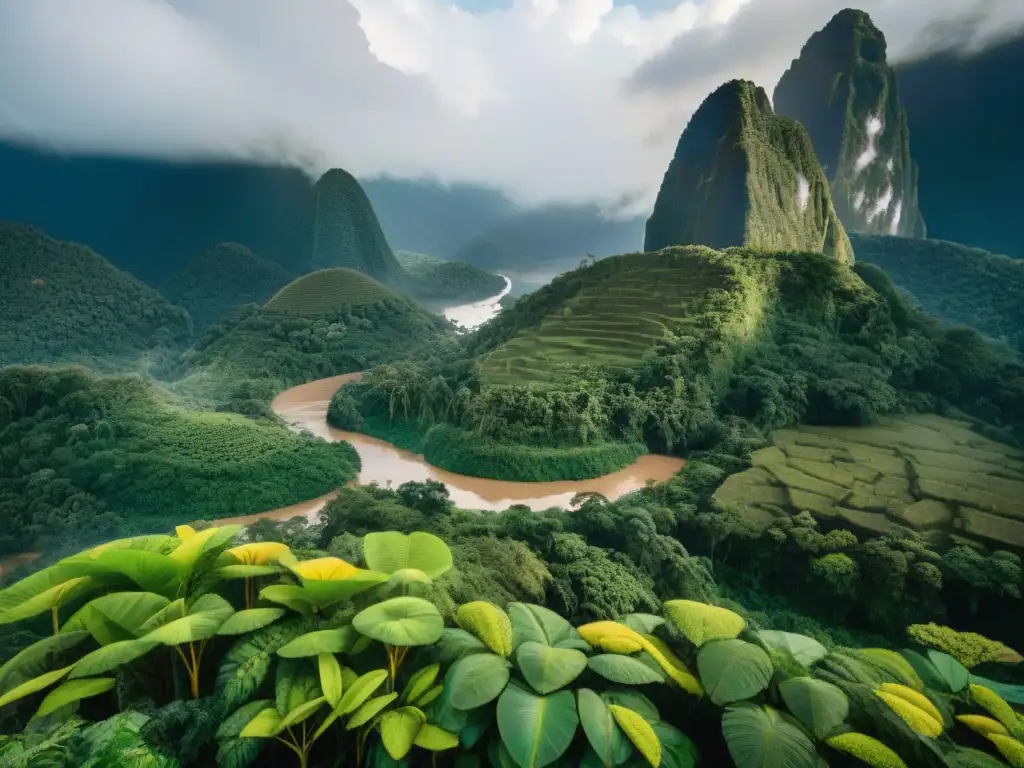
x=547, y=100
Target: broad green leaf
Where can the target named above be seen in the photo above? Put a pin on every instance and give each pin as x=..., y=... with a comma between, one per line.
x=289, y=596
x=624, y=669
x=763, y=737
x=634, y=700
x=429, y=696
x=536, y=730
x=537, y=623
x=403, y=621
x=489, y=623
x=247, y=663
x=435, y=739
x=701, y=622
x=360, y=690
x=644, y=623
x=499, y=756
x=390, y=551
x=152, y=571
x=34, y=685
x=201, y=622
x=246, y=571
x=331, y=681
x=677, y=749
x=398, y=729
x=547, y=669
x=478, y=723
x=640, y=733
x=456, y=643
x=1011, y=693
x=117, y=616
x=54, y=597
x=43, y=580
x=265, y=725
x=37, y=658
x=805, y=650
x=337, y=640
x=243, y=622
x=953, y=673
x=232, y=727
x=170, y=612
x=925, y=670
x=605, y=736
x=733, y=670
x=819, y=706
x=195, y=546
x=477, y=679
x=893, y=667
x=406, y=577
x=322, y=593
x=420, y=682
x=72, y=691
x=302, y=712
x=369, y=710
x=297, y=682
x=110, y=657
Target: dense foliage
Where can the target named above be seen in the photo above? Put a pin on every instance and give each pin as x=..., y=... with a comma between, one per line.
x=197, y=649
x=84, y=457
x=796, y=338
x=430, y=278
x=61, y=302
x=221, y=279
x=957, y=284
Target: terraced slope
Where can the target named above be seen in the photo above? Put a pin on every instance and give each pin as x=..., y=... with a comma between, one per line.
x=328, y=290
x=609, y=314
x=921, y=472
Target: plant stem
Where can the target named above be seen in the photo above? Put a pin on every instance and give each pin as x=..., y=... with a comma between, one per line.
x=247, y=588
x=55, y=615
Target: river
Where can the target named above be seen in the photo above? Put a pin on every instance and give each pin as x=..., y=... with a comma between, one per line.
x=305, y=407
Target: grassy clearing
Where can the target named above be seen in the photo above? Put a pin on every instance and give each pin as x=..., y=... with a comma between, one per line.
x=613, y=320
x=328, y=290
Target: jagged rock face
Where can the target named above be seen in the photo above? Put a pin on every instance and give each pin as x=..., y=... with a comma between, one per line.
x=347, y=233
x=846, y=95
x=742, y=175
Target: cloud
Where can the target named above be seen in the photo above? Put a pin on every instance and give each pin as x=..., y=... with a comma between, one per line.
x=549, y=100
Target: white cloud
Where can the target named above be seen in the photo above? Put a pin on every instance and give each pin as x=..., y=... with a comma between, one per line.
x=573, y=100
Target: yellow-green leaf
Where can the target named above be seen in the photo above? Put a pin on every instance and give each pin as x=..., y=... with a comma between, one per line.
x=639, y=732
x=72, y=691
x=330, y=678
x=53, y=597
x=369, y=710
x=360, y=690
x=111, y=657
x=302, y=712
x=435, y=739
x=701, y=622
x=420, y=683
x=29, y=687
x=390, y=551
x=983, y=725
x=489, y=623
x=398, y=729
x=265, y=725
x=867, y=749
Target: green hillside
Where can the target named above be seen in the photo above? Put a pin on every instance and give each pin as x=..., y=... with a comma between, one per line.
x=433, y=279
x=82, y=457
x=742, y=175
x=346, y=232
x=842, y=89
x=957, y=284
x=61, y=302
x=221, y=279
x=328, y=290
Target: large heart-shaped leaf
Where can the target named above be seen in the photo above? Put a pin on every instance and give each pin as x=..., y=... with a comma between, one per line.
x=733, y=670
x=403, y=621
x=537, y=623
x=536, y=730
x=701, y=622
x=805, y=650
x=547, y=669
x=338, y=640
x=477, y=679
x=489, y=623
x=72, y=691
x=624, y=669
x=763, y=737
x=456, y=643
x=605, y=736
x=819, y=706
x=391, y=551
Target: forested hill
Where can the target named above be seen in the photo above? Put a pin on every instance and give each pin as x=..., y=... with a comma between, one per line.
x=222, y=278
x=61, y=302
x=965, y=116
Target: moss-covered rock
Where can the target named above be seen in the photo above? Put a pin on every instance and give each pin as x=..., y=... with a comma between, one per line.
x=743, y=175
x=347, y=233
x=844, y=92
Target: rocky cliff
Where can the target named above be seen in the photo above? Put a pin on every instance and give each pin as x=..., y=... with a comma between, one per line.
x=844, y=92
x=742, y=175
x=347, y=233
